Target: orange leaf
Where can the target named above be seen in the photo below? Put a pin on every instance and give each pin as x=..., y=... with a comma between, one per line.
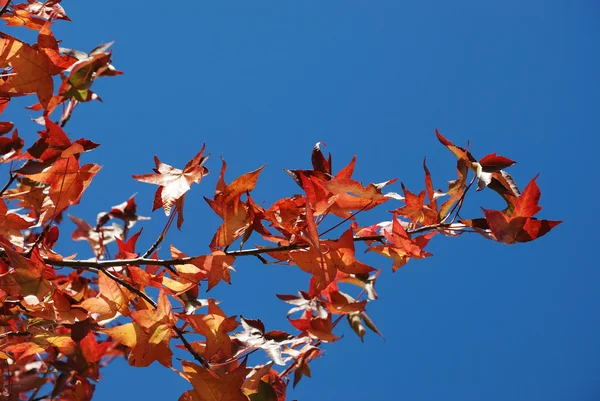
x=23, y=18
x=401, y=247
x=33, y=67
x=210, y=387
x=214, y=326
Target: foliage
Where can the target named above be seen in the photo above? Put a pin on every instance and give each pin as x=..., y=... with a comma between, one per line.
x=61, y=327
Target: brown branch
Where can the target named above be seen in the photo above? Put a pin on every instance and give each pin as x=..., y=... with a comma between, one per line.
x=188, y=346
x=14, y=334
x=12, y=178
x=103, y=264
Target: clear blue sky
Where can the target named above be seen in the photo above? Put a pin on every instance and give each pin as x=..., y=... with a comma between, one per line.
x=262, y=81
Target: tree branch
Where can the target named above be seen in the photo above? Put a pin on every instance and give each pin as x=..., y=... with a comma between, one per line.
x=103, y=264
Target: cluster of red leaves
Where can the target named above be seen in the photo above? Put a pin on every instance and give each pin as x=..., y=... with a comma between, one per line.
x=59, y=327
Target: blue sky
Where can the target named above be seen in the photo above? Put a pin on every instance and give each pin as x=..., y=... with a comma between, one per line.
x=261, y=82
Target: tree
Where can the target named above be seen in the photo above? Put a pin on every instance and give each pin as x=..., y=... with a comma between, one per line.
x=62, y=326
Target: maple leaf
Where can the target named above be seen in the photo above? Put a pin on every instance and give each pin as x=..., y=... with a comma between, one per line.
x=66, y=179
x=33, y=68
x=352, y=195
x=65, y=308
x=304, y=301
x=520, y=225
x=341, y=303
x=174, y=183
x=321, y=167
x=315, y=327
x=415, y=208
x=490, y=174
x=22, y=17
x=83, y=74
x=10, y=147
x=340, y=194
x=127, y=248
x=207, y=386
x=116, y=296
x=253, y=379
x=126, y=211
x=98, y=238
x=49, y=10
x=148, y=335
x=238, y=217
x=302, y=358
x=214, y=326
x=332, y=256
x=12, y=223
x=54, y=143
x=254, y=336
x=214, y=267
x=29, y=276
x=401, y=247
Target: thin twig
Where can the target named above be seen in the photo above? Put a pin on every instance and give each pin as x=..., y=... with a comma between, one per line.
x=4, y=8
x=346, y=219
x=12, y=178
x=458, y=202
x=38, y=240
x=130, y=287
x=188, y=346
x=153, y=246
x=15, y=334
x=162, y=235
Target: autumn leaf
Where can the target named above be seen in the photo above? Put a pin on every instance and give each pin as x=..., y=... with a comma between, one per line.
x=488, y=174
x=315, y=327
x=54, y=143
x=174, y=183
x=332, y=256
x=304, y=301
x=126, y=211
x=49, y=10
x=98, y=238
x=214, y=268
x=214, y=326
x=66, y=179
x=29, y=277
x=520, y=226
x=33, y=67
x=254, y=336
x=22, y=17
x=207, y=386
x=12, y=223
x=10, y=147
x=302, y=358
x=148, y=335
x=402, y=247
x=237, y=216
